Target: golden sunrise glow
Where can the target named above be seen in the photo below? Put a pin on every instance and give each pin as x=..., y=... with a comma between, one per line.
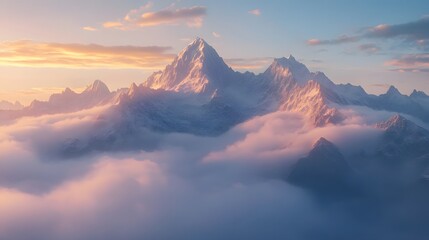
x=35, y=54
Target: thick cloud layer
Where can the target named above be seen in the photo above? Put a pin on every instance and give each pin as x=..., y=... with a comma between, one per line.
x=226, y=187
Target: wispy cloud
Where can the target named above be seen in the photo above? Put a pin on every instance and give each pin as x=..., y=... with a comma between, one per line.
x=380, y=85
x=117, y=25
x=216, y=35
x=415, y=33
x=249, y=63
x=339, y=40
x=256, y=12
x=38, y=54
x=369, y=48
x=141, y=17
x=410, y=63
x=89, y=28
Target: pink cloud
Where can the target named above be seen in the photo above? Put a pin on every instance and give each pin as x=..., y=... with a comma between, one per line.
x=256, y=12
x=192, y=17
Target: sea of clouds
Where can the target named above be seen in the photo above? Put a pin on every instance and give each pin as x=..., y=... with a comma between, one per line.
x=189, y=187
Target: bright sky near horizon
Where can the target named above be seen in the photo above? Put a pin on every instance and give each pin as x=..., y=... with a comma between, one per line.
x=47, y=45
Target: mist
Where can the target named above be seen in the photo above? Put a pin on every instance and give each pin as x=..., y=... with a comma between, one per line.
x=189, y=187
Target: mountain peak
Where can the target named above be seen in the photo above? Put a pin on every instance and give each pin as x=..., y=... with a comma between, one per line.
x=324, y=169
x=198, y=41
x=133, y=90
x=197, y=69
x=288, y=62
x=68, y=91
x=396, y=120
x=418, y=94
x=398, y=123
x=282, y=68
x=402, y=137
x=97, y=86
x=324, y=147
x=198, y=51
x=393, y=91
x=322, y=142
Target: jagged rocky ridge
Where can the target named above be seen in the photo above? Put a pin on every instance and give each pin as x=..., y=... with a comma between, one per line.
x=203, y=79
x=199, y=94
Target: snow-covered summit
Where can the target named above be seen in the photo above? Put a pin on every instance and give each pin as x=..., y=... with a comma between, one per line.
x=288, y=69
x=98, y=87
x=196, y=69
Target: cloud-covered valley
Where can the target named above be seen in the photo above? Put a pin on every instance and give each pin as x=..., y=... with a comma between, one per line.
x=189, y=187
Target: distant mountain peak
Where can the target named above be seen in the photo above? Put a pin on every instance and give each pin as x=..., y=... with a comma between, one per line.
x=324, y=169
x=325, y=147
x=289, y=68
x=402, y=138
x=97, y=86
x=396, y=120
x=68, y=91
x=393, y=91
x=133, y=90
x=290, y=62
x=400, y=126
x=322, y=142
x=418, y=94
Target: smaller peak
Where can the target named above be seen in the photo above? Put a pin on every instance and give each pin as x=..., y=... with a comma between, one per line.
x=395, y=120
x=97, y=86
x=133, y=85
x=323, y=143
x=133, y=89
x=97, y=82
x=290, y=62
x=418, y=94
x=68, y=90
x=393, y=91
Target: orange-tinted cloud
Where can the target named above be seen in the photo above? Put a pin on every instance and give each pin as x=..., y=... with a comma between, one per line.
x=339, y=40
x=39, y=54
x=192, y=17
x=89, y=28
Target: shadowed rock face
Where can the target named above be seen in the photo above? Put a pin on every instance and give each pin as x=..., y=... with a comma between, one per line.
x=323, y=170
x=403, y=139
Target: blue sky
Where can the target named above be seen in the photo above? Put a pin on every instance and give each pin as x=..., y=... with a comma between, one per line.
x=281, y=28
